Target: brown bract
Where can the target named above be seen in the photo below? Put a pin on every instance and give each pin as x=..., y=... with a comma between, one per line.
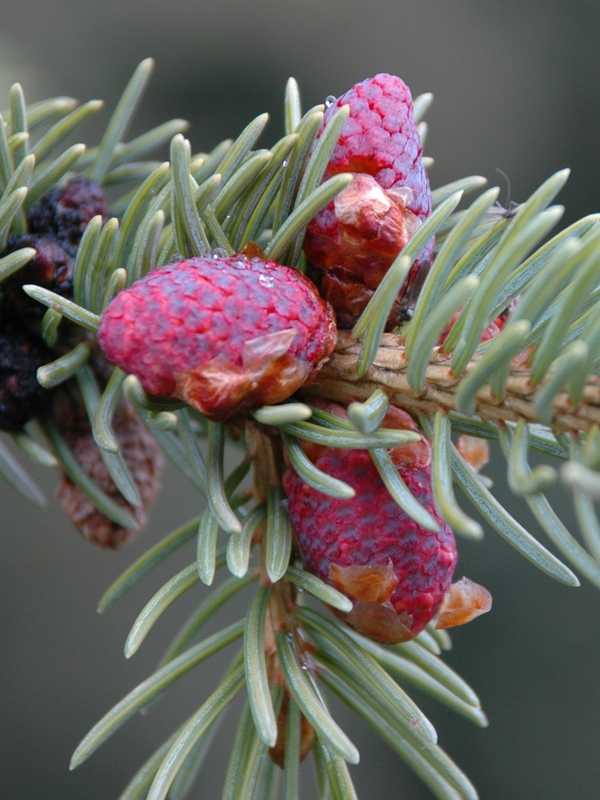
x=463, y=602
x=371, y=583
x=352, y=257
x=374, y=224
x=474, y=450
x=268, y=375
x=380, y=622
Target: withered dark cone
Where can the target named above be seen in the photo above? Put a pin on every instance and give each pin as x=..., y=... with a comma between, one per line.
x=144, y=460
x=64, y=212
x=21, y=396
x=51, y=268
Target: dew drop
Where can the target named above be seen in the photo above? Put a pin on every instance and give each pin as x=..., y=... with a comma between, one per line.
x=330, y=100
x=218, y=252
x=268, y=281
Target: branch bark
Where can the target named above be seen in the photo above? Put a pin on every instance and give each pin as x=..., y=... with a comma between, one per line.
x=339, y=380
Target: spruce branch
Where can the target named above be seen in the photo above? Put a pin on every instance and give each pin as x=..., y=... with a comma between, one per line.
x=340, y=380
x=526, y=385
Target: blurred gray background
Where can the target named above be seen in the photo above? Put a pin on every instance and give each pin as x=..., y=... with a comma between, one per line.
x=516, y=87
